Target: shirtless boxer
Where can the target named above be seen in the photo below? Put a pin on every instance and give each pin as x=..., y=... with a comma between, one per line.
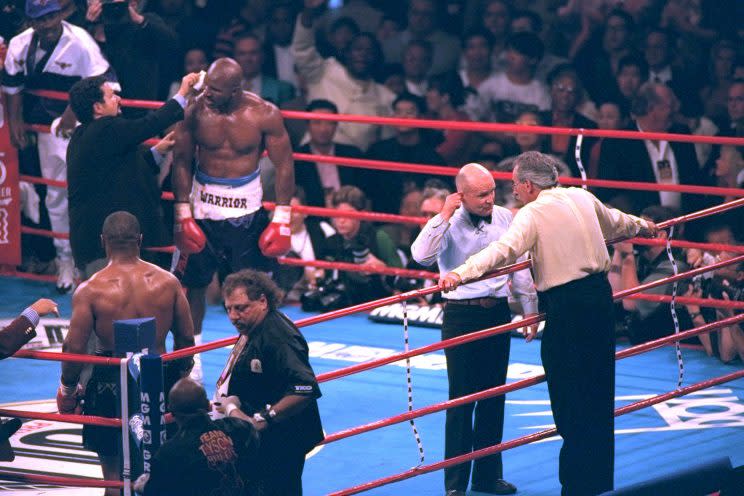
x=217, y=184
x=126, y=288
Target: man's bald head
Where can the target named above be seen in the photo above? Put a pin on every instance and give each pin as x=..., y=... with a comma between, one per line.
x=226, y=69
x=187, y=397
x=472, y=174
x=476, y=187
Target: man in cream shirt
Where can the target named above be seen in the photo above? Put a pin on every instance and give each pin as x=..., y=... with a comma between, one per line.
x=564, y=230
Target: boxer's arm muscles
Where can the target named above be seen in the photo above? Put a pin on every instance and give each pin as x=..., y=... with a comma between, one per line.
x=279, y=149
x=183, y=327
x=76, y=341
x=183, y=158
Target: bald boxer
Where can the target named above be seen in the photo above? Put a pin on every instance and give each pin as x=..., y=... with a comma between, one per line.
x=217, y=183
x=207, y=456
x=127, y=288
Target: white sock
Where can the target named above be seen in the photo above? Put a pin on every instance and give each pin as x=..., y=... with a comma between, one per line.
x=197, y=375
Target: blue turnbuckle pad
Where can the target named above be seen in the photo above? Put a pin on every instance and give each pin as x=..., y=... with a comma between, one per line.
x=134, y=335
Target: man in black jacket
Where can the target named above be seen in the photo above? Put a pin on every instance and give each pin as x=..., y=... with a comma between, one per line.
x=269, y=382
x=651, y=161
x=106, y=170
x=205, y=457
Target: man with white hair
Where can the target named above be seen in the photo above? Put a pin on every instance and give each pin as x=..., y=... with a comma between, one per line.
x=466, y=224
x=564, y=229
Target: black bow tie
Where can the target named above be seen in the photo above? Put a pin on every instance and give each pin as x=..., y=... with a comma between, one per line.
x=476, y=219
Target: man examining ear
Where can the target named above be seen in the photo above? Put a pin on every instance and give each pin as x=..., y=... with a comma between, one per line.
x=467, y=223
x=107, y=170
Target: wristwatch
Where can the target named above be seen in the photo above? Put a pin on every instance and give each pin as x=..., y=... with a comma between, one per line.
x=267, y=415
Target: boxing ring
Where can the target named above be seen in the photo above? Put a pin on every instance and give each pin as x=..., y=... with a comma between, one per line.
x=658, y=429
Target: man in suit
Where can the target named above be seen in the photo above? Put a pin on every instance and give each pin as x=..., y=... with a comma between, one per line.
x=658, y=51
x=320, y=180
x=127, y=182
x=22, y=329
x=659, y=162
x=249, y=53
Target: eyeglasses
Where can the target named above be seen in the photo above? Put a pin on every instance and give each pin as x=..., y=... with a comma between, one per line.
x=565, y=89
x=517, y=183
x=736, y=99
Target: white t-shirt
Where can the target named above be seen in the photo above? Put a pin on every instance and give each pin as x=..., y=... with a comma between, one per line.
x=507, y=100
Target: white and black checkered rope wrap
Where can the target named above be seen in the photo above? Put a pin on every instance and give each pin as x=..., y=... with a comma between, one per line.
x=577, y=156
x=675, y=319
x=409, y=382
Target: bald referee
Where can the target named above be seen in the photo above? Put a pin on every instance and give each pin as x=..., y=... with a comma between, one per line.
x=564, y=230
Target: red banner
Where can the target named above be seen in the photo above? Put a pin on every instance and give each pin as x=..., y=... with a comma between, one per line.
x=10, y=200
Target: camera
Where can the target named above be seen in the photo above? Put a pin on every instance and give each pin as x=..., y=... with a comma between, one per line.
x=115, y=12
x=331, y=294
x=715, y=287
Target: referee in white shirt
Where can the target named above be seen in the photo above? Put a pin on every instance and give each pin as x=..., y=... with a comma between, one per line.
x=564, y=230
x=468, y=222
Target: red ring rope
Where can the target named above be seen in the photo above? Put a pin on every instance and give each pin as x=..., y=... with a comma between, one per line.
x=451, y=171
x=63, y=417
x=59, y=481
x=522, y=384
x=454, y=125
x=361, y=307
x=530, y=438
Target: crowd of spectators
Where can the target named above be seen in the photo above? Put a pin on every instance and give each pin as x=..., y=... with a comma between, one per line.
x=651, y=65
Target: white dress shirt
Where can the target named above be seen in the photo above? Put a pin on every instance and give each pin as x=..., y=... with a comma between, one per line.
x=451, y=243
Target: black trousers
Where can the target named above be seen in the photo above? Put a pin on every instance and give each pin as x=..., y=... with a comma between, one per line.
x=280, y=471
x=473, y=367
x=578, y=354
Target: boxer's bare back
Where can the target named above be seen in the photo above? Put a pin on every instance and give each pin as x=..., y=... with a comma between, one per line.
x=131, y=290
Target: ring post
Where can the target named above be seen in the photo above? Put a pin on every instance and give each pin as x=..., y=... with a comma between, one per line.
x=130, y=336
x=152, y=407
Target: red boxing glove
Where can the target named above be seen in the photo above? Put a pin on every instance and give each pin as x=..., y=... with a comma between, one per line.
x=276, y=240
x=187, y=234
x=68, y=399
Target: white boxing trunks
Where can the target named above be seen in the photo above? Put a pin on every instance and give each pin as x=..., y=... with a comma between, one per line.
x=217, y=198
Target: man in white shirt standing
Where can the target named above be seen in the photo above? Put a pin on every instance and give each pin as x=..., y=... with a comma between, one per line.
x=467, y=223
x=564, y=230
x=51, y=54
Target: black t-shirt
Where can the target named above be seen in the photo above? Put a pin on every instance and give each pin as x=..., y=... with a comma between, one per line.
x=275, y=363
x=206, y=458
